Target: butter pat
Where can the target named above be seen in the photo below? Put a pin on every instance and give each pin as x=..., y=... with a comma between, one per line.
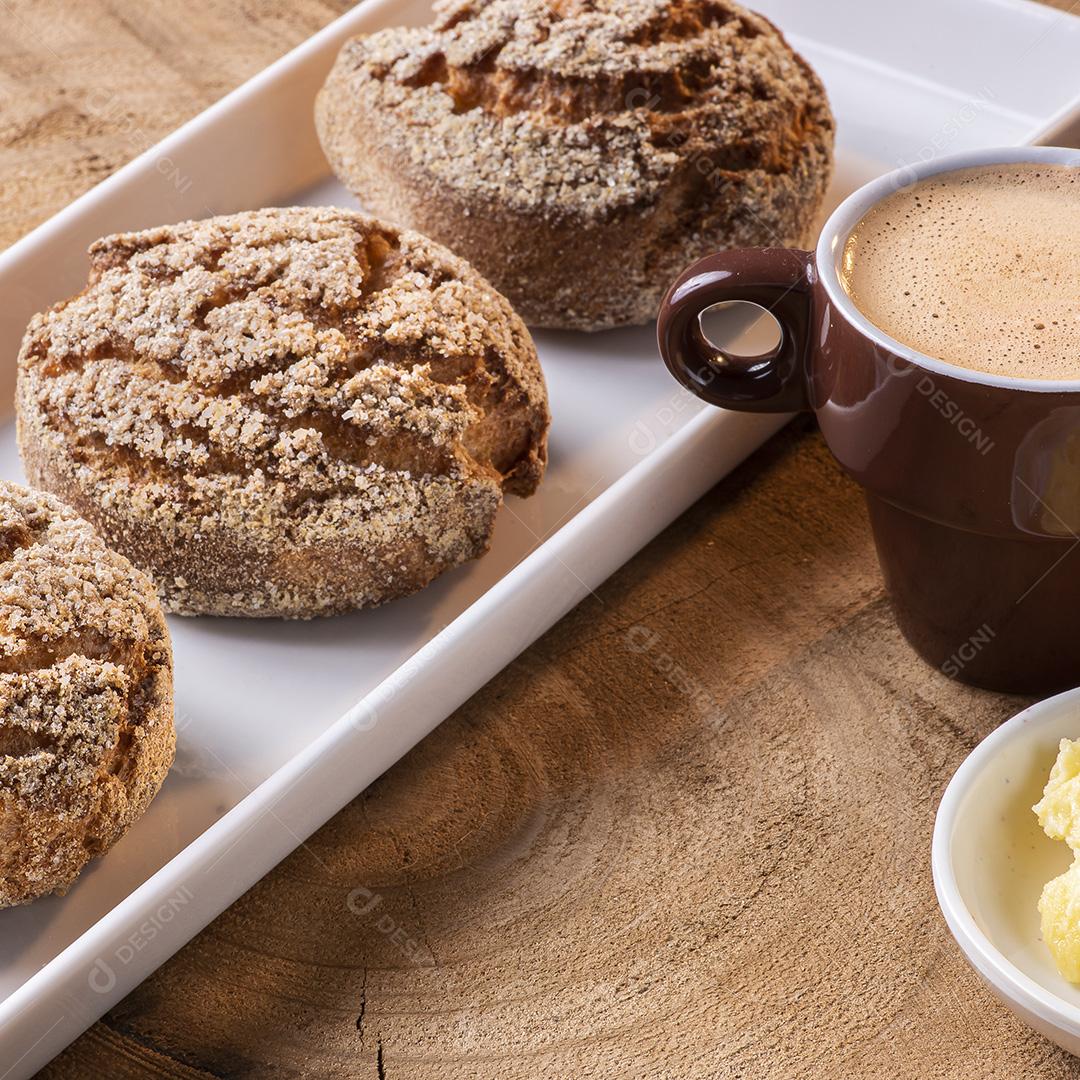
x=1059, y=907
x=1059, y=815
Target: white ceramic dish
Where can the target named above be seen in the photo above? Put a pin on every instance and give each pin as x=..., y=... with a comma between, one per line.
x=991, y=860
x=281, y=724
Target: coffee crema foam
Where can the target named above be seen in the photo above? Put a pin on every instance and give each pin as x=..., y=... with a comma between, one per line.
x=979, y=267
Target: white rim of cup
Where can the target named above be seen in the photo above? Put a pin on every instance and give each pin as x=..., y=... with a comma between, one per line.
x=830, y=250
x=987, y=959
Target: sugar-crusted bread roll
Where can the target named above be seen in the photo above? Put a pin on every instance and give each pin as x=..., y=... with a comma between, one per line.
x=581, y=152
x=86, y=703
x=284, y=412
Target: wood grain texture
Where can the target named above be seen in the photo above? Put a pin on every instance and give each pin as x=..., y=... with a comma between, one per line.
x=685, y=835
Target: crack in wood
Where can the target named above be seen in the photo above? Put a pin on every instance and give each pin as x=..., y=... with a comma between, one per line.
x=363, y=1008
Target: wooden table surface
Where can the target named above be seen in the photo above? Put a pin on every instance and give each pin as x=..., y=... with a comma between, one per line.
x=685, y=835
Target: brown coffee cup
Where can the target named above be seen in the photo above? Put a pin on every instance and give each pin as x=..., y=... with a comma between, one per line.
x=972, y=480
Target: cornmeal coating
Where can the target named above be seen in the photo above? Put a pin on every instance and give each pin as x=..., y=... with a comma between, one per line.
x=86, y=698
x=288, y=412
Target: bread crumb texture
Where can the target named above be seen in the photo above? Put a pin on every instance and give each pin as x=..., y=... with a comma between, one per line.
x=86, y=713
x=283, y=412
x=691, y=121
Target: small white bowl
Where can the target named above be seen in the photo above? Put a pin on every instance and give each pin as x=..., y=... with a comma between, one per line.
x=991, y=860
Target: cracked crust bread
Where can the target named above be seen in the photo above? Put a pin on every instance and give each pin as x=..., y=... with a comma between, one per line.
x=290, y=412
x=86, y=699
x=580, y=153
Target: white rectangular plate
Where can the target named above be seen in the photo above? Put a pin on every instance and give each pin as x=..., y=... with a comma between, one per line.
x=280, y=724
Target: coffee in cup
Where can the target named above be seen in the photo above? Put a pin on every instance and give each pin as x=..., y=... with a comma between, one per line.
x=934, y=333
x=978, y=267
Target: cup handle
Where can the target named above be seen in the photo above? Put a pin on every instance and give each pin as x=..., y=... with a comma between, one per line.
x=777, y=279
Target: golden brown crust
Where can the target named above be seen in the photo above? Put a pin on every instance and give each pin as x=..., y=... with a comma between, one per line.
x=86, y=703
x=580, y=153
x=283, y=412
